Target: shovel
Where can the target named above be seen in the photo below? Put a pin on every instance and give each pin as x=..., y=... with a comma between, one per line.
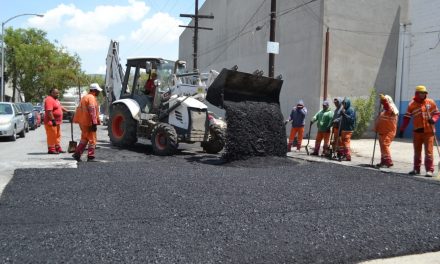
x=308, y=139
x=72, y=144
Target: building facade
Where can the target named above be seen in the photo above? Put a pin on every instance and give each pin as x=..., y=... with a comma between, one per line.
x=364, y=41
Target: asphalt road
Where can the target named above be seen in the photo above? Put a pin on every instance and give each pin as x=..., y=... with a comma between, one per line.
x=133, y=207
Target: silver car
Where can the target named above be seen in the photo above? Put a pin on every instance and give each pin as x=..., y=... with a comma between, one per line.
x=12, y=121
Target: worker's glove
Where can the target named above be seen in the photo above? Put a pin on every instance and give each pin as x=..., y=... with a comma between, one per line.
x=93, y=128
x=431, y=121
x=382, y=97
x=54, y=123
x=400, y=134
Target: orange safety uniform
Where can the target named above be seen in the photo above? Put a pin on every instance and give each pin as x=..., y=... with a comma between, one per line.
x=386, y=127
x=421, y=110
x=87, y=114
x=53, y=133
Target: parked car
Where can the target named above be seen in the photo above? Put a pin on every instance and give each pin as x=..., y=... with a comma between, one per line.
x=28, y=109
x=40, y=109
x=12, y=121
x=22, y=109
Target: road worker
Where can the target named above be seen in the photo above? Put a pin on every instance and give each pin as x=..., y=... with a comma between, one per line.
x=87, y=116
x=297, y=117
x=324, y=120
x=386, y=127
x=337, y=101
x=150, y=86
x=425, y=114
x=347, y=120
x=53, y=118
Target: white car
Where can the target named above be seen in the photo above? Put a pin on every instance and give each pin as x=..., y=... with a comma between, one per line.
x=12, y=121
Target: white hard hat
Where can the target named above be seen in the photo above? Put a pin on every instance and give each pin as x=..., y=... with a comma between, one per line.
x=95, y=86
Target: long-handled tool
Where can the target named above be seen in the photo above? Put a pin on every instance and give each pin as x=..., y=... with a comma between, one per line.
x=375, y=136
x=435, y=138
x=308, y=139
x=72, y=144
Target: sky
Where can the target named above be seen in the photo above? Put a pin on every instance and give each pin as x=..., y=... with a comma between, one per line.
x=85, y=27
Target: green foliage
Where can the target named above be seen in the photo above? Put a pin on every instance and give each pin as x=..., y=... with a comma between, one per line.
x=35, y=65
x=364, y=113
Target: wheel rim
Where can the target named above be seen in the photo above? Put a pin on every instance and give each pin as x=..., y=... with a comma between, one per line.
x=118, y=126
x=161, y=141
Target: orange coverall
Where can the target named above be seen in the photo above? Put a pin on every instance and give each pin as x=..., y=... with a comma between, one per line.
x=423, y=133
x=386, y=127
x=87, y=114
x=53, y=133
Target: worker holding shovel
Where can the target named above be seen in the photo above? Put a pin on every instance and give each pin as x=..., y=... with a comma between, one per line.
x=324, y=120
x=386, y=127
x=347, y=123
x=87, y=116
x=425, y=114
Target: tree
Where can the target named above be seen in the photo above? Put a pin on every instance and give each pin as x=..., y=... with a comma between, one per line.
x=364, y=113
x=35, y=65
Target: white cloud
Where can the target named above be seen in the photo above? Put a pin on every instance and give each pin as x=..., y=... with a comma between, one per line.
x=53, y=18
x=98, y=20
x=161, y=28
x=85, y=42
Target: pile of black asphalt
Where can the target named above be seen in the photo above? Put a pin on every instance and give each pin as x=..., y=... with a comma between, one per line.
x=193, y=208
x=254, y=129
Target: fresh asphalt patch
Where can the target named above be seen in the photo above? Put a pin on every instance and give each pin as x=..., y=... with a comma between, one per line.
x=195, y=208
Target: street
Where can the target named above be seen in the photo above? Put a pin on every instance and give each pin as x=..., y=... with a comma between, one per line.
x=134, y=207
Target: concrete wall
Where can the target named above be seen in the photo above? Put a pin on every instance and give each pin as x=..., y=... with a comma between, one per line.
x=364, y=42
x=364, y=45
x=420, y=50
x=235, y=41
x=424, y=52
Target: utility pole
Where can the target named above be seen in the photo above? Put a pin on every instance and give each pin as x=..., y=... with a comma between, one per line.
x=273, y=10
x=196, y=28
x=327, y=41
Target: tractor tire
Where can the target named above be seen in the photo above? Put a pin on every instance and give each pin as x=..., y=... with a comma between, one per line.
x=122, y=128
x=216, y=140
x=164, y=140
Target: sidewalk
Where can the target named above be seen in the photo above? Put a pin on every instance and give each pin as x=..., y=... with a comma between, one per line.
x=362, y=150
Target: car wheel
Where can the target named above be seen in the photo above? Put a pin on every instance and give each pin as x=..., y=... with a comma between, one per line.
x=14, y=135
x=22, y=134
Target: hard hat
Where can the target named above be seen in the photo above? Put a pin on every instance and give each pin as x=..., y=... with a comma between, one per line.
x=325, y=103
x=300, y=102
x=421, y=89
x=95, y=86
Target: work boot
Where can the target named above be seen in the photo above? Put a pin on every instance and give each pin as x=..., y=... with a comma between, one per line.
x=348, y=157
x=414, y=172
x=59, y=149
x=77, y=156
x=315, y=153
x=429, y=174
x=91, y=159
x=289, y=147
x=51, y=150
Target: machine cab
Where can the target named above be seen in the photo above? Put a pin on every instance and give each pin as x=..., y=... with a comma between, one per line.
x=144, y=73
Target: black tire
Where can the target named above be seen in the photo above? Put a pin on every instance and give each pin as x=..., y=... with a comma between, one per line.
x=164, y=140
x=22, y=133
x=14, y=135
x=122, y=127
x=27, y=127
x=216, y=140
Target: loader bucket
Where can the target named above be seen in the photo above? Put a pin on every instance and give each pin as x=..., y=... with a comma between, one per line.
x=231, y=85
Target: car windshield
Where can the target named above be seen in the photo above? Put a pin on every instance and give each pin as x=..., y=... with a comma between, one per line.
x=5, y=109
